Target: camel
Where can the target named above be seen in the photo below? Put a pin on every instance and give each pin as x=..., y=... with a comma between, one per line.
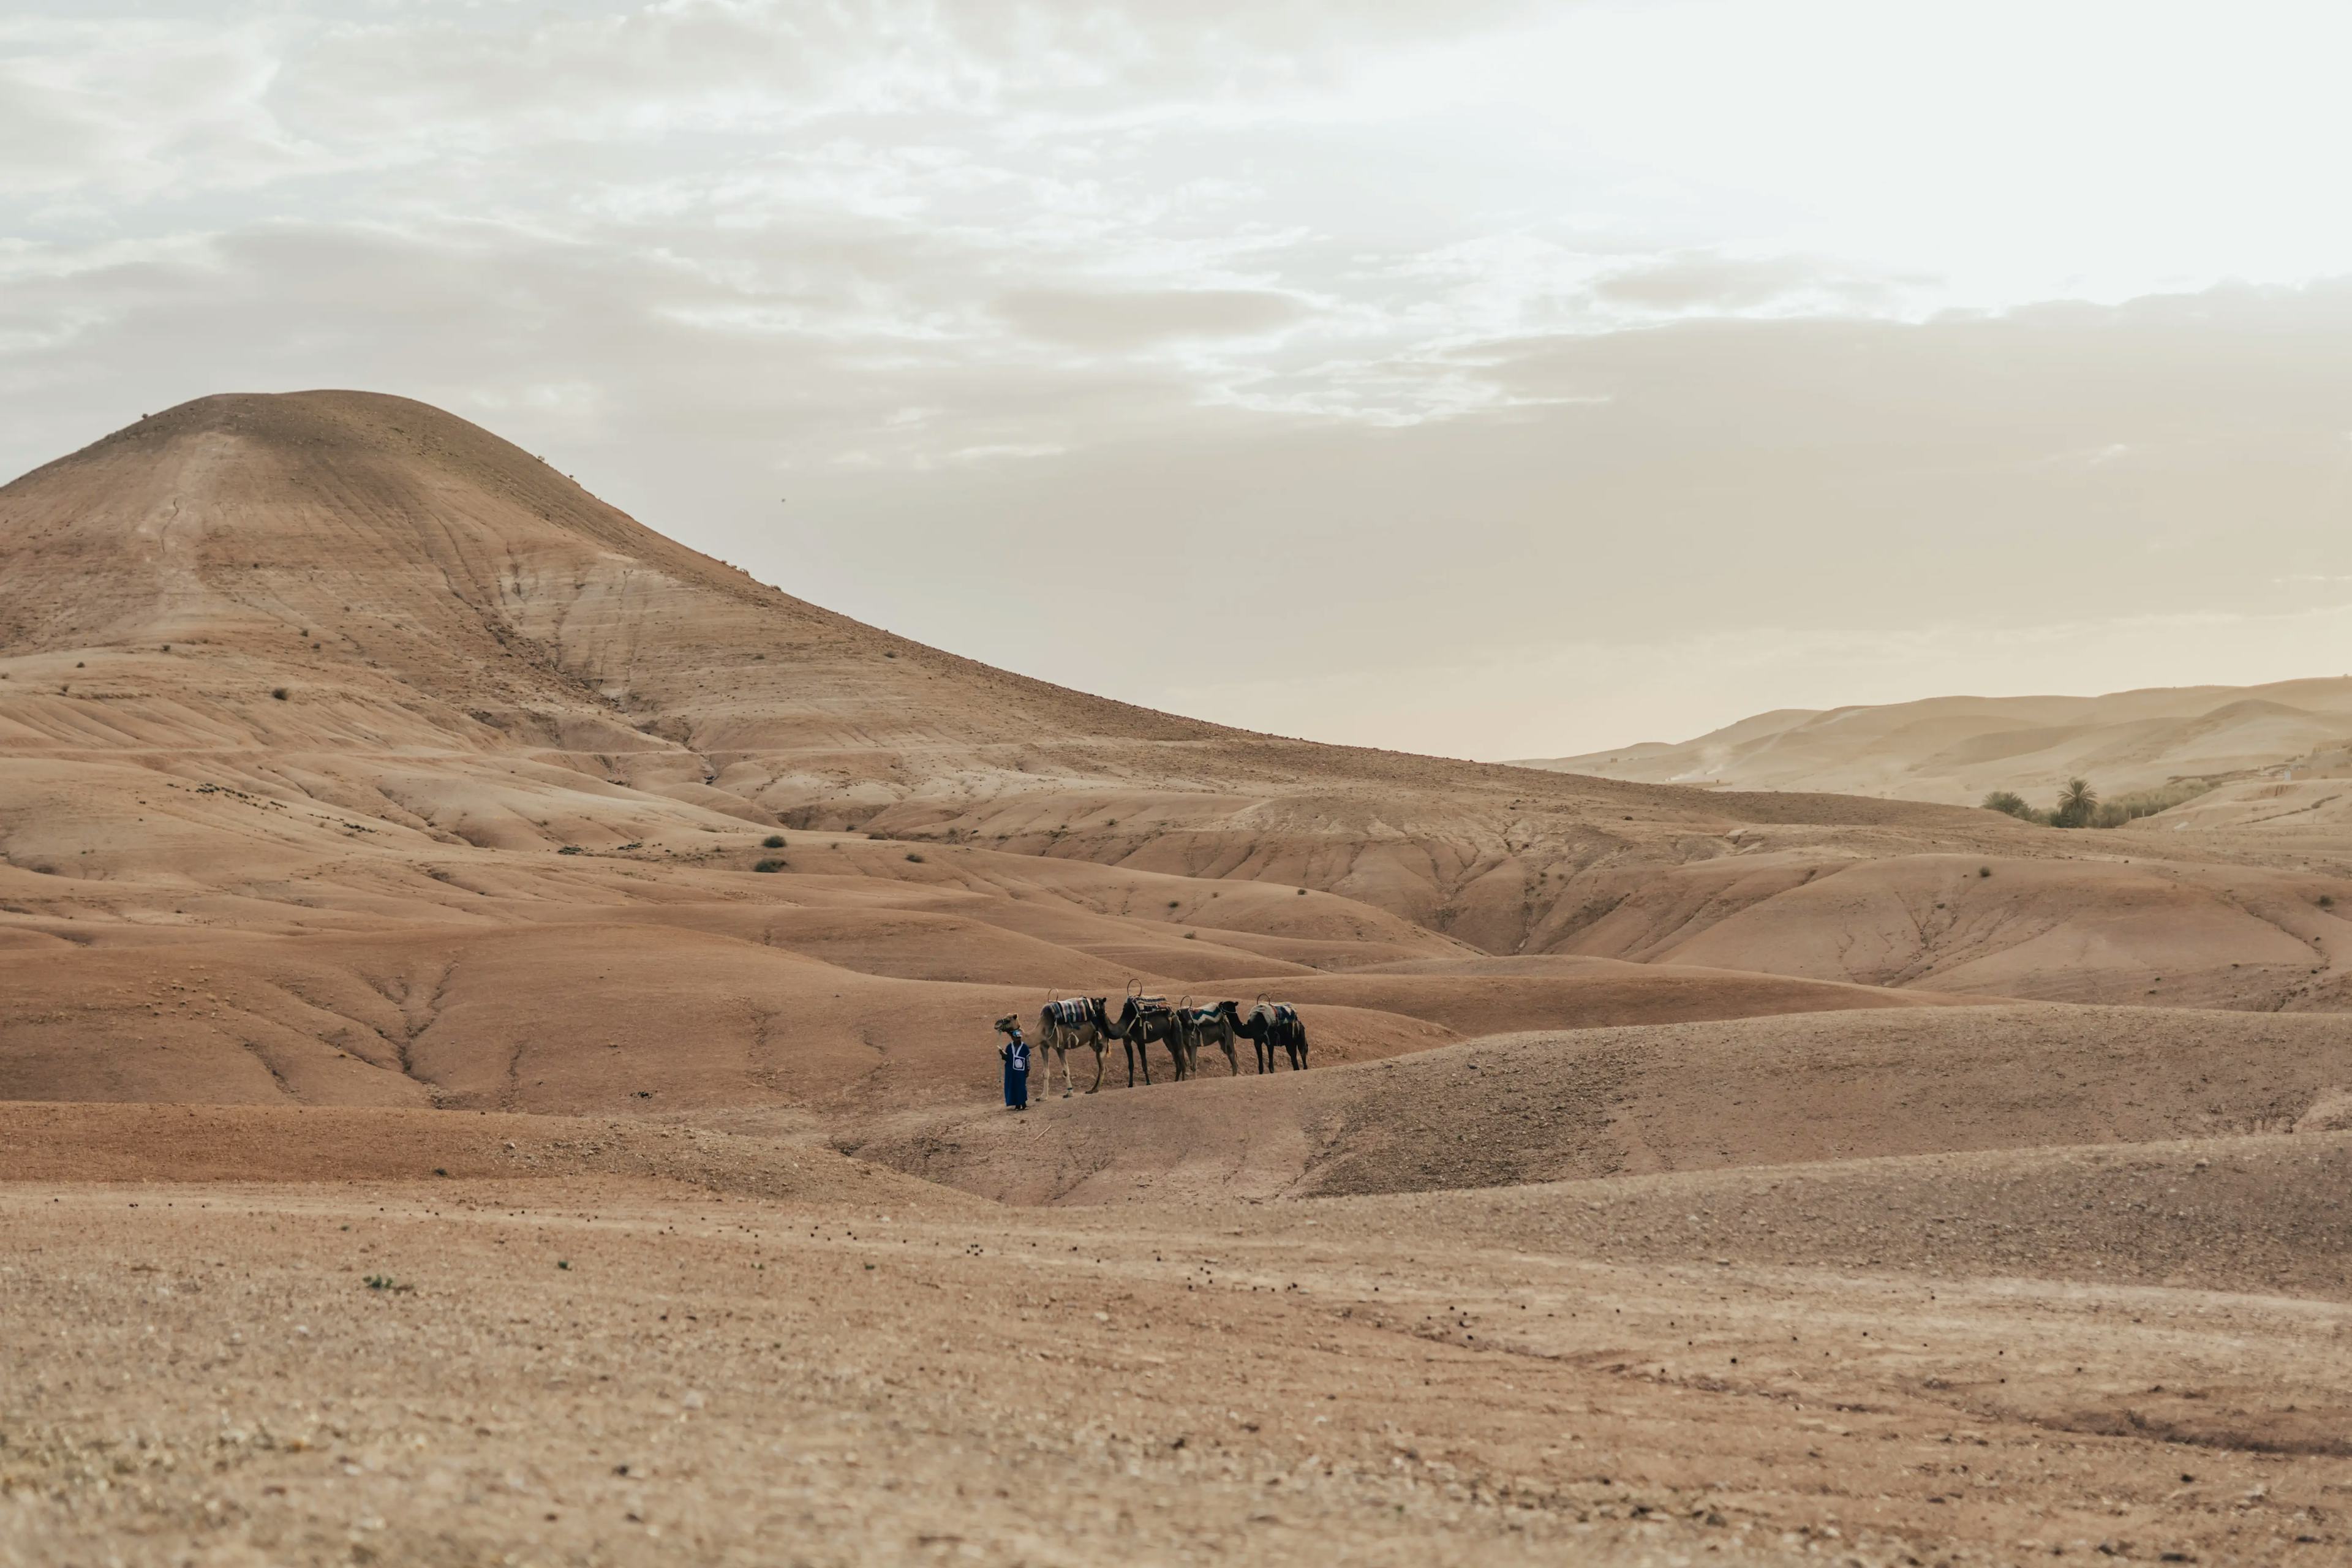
x=1272, y=1026
x=1072, y=1024
x=1209, y=1025
x=1143, y=1020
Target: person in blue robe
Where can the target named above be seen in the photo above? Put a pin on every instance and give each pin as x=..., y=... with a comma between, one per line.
x=1014, y=1053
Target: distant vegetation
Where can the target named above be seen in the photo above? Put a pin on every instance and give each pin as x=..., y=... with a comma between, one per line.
x=2079, y=806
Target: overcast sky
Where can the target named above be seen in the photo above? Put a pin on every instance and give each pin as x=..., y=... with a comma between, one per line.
x=1469, y=376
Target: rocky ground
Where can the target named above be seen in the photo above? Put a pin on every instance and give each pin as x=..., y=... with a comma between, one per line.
x=554, y=1366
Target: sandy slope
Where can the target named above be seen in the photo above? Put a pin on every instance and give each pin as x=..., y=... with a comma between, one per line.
x=1754, y=1092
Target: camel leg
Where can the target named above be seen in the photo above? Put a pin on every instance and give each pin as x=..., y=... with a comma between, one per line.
x=1099, y=1058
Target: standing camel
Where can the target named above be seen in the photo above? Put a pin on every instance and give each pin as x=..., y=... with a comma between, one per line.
x=1273, y=1026
x=1074, y=1024
x=1210, y=1025
x=1143, y=1020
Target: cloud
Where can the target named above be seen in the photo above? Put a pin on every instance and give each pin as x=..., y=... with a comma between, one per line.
x=1720, y=284
x=101, y=112
x=1381, y=335
x=1115, y=321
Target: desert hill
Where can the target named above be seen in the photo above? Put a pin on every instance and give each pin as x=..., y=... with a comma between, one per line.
x=550, y=974
x=1959, y=749
x=350, y=754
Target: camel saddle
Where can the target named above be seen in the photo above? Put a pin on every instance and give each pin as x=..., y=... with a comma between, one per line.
x=1152, y=1004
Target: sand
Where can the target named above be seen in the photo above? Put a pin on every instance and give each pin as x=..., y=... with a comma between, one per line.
x=440, y=1121
x=576, y=1367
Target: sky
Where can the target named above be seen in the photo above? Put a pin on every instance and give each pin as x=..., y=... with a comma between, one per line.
x=1486, y=378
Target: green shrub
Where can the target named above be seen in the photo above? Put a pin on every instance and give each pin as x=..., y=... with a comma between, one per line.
x=773, y=841
x=917, y=860
x=2079, y=805
x=769, y=866
x=2148, y=802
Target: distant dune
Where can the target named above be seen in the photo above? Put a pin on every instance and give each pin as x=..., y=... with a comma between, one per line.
x=1959, y=749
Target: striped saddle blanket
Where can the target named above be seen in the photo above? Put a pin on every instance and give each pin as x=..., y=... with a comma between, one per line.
x=1150, y=1003
x=1071, y=1012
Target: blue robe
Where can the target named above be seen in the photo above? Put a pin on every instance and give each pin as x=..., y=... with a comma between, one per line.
x=1015, y=1053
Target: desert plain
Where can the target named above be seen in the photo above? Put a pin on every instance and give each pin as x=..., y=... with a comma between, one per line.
x=494, y=1037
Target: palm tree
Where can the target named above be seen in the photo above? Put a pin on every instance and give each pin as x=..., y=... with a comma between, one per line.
x=2076, y=802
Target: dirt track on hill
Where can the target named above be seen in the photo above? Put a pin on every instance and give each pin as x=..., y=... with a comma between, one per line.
x=1753, y=1092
